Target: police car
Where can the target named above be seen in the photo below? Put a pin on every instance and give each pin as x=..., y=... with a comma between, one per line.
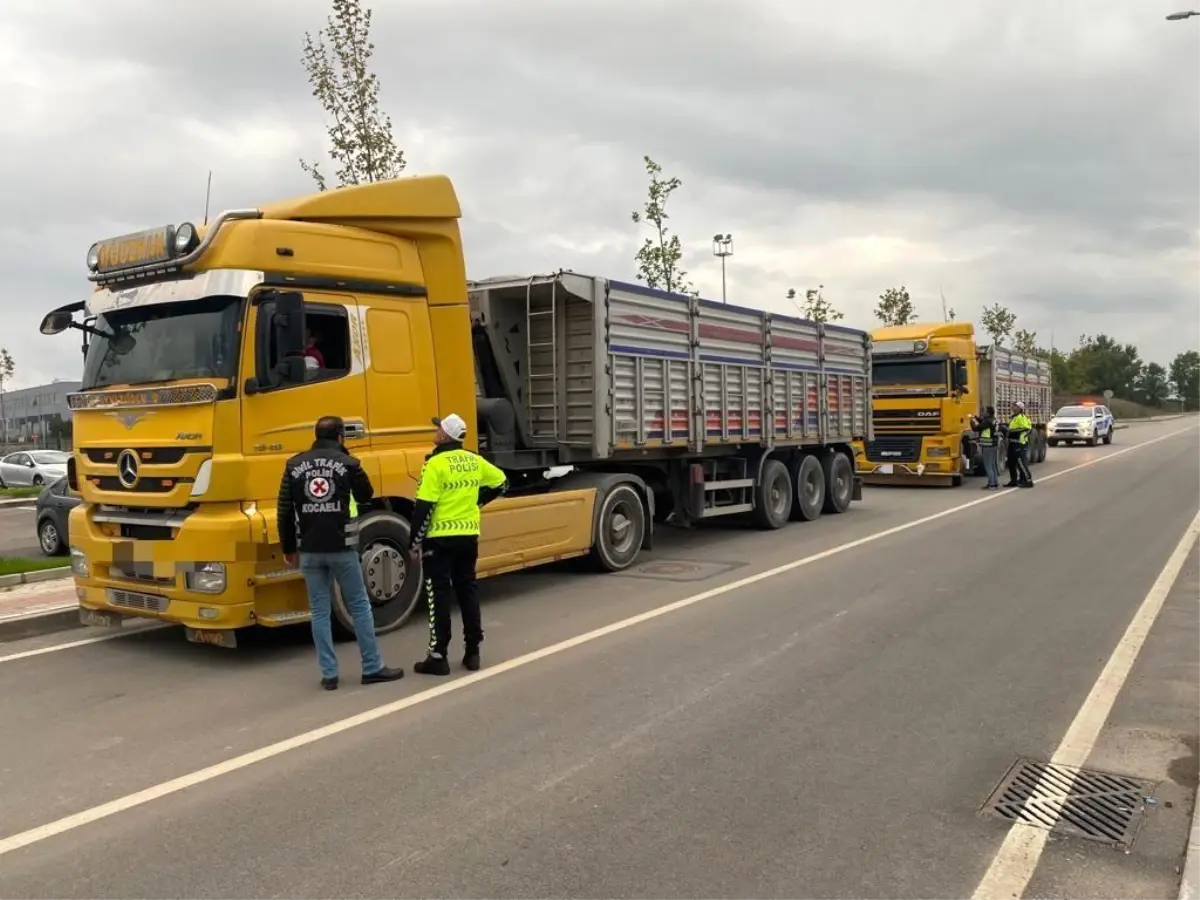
x=1088, y=423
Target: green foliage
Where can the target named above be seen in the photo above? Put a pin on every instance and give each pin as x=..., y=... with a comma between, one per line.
x=7, y=367
x=815, y=307
x=998, y=322
x=1185, y=378
x=895, y=307
x=660, y=257
x=337, y=60
x=1025, y=341
x=1152, y=387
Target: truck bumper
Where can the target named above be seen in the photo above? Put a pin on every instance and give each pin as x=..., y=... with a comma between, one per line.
x=937, y=473
x=118, y=578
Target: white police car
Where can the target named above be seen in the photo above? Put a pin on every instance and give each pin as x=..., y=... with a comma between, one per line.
x=1088, y=423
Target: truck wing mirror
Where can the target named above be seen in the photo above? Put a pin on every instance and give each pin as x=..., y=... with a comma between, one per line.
x=290, y=336
x=56, y=322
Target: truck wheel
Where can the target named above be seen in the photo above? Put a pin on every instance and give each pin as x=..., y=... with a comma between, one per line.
x=620, y=528
x=1042, y=452
x=773, y=496
x=839, y=483
x=392, y=587
x=808, y=479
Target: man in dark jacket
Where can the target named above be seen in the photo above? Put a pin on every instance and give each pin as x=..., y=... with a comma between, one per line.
x=988, y=430
x=315, y=497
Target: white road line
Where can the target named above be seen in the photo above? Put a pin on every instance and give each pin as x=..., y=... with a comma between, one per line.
x=82, y=642
x=175, y=785
x=1014, y=864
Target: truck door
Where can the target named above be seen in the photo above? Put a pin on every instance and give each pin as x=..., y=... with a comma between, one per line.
x=277, y=422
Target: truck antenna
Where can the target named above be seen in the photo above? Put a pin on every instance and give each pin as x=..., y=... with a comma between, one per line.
x=207, y=196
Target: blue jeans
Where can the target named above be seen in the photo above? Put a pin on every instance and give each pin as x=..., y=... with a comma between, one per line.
x=991, y=464
x=320, y=570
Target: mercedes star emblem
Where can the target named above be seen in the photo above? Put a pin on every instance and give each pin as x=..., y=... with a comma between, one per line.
x=127, y=469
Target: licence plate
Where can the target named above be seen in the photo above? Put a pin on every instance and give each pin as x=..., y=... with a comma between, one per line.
x=885, y=469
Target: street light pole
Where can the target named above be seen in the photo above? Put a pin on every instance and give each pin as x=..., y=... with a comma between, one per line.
x=722, y=248
x=1178, y=16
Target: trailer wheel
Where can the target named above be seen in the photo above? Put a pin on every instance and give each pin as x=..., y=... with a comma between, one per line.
x=773, y=496
x=839, y=483
x=392, y=587
x=809, y=480
x=620, y=529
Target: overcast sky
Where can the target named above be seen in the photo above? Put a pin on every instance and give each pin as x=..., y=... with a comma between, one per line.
x=1040, y=153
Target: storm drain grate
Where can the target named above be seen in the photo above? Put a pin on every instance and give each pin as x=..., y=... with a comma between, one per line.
x=1098, y=806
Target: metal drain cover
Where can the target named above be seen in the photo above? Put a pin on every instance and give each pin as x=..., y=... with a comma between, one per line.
x=679, y=569
x=1098, y=806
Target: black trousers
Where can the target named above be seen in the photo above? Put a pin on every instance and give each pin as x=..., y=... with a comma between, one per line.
x=449, y=567
x=1018, y=464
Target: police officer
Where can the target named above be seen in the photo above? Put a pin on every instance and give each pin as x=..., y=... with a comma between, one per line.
x=317, y=496
x=455, y=484
x=989, y=435
x=1019, y=429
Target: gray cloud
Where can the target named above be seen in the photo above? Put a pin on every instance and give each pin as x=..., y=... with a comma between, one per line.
x=1046, y=156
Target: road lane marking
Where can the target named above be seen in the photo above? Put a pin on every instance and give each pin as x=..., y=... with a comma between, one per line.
x=245, y=760
x=1017, y=859
x=82, y=642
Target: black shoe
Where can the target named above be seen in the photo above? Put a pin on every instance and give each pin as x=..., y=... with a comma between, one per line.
x=330, y=684
x=1026, y=484
x=432, y=665
x=1011, y=484
x=471, y=660
x=383, y=675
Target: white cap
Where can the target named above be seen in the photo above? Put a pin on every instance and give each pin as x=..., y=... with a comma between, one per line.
x=1018, y=405
x=453, y=425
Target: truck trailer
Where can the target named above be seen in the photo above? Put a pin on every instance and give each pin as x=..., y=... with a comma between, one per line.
x=210, y=352
x=928, y=380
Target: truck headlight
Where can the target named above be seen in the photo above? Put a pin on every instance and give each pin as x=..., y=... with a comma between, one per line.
x=206, y=578
x=939, y=451
x=79, y=563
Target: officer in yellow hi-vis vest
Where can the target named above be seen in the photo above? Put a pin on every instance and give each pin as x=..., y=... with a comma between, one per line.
x=455, y=485
x=1019, y=429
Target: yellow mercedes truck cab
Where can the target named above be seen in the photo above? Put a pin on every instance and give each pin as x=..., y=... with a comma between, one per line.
x=210, y=352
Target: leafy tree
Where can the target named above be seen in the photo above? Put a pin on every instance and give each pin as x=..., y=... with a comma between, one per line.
x=895, y=307
x=7, y=367
x=1099, y=363
x=1152, y=385
x=998, y=322
x=815, y=307
x=1025, y=341
x=660, y=256
x=337, y=60
x=1185, y=378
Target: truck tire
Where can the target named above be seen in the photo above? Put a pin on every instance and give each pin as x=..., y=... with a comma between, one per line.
x=839, y=483
x=808, y=481
x=773, y=496
x=620, y=529
x=394, y=590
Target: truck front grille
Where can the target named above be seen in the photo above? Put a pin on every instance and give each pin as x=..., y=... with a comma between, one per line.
x=894, y=448
x=907, y=421
x=135, y=600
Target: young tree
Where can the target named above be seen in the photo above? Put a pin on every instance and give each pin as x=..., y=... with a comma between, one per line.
x=815, y=306
x=361, y=143
x=895, y=307
x=998, y=322
x=1185, y=378
x=660, y=257
x=1025, y=341
x=7, y=367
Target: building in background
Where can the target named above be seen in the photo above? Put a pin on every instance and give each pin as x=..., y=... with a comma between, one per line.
x=37, y=415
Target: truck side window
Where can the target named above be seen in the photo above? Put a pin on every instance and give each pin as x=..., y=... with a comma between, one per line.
x=327, y=353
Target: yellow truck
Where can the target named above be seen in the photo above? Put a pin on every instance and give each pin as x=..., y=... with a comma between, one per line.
x=927, y=381
x=210, y=352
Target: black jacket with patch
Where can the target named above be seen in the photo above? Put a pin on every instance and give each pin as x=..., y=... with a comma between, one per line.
x=314, y=499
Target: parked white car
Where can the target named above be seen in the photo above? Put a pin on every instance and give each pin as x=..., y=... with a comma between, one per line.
x=1085, y=423
x=32, y=468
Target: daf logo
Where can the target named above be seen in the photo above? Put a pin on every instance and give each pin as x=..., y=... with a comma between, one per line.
x=890, y=453
x=127, y=469
x=128, y=419
x=926, y=413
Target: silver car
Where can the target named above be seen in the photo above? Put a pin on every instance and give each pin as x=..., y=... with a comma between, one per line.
x=33, y=468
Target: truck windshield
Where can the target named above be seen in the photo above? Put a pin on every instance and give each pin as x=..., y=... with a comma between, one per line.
x=909, y=373
x=192, y=339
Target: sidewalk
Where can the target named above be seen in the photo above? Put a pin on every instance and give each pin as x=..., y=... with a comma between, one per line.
x=42, y=608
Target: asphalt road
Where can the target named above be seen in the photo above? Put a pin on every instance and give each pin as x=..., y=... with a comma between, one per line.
x=819, y=711
x=18, y=530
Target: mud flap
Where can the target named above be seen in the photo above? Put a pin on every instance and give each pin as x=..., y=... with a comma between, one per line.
x=98, y=618
x=856, y=494
x=212, y=636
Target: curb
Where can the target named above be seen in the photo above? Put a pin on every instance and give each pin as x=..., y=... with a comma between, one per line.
x=18, y=501
x=1189, y=885
x=38, y=623
x=20, y=578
